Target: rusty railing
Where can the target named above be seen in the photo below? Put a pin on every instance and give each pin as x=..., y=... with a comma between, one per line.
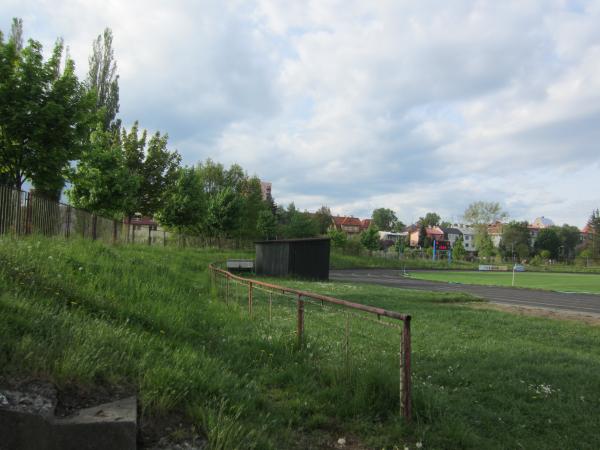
x=261, y=298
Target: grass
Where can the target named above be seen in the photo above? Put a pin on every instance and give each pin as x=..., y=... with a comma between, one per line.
x=341, y=261
x=87, y=314
x=569, y=282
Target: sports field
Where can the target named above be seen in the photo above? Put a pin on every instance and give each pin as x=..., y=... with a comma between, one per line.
x=562, y=282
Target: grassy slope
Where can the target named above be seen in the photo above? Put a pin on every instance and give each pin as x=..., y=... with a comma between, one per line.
x=570, y=282
x=85, y=313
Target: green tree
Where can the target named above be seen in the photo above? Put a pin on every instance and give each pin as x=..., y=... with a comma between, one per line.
x=44, y=114
x=184, y=204
x=301, y=225
x=323, y=218
x=458, y=249
x=103, y=81
x=252, y=205
x=547, y=240
x=484, y=244
x=266, y=224
x=153, y=164
x=569, y=237
x=101, y=182
x=370, y=239
x=384, y=219
x=431, y=219
x=594, y=225
x=339, y=239
x=484, y=213
x=515, y=240
x=223, y=210
x=158, y=172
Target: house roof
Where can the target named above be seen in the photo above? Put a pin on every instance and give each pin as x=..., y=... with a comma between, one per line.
x=346, y=221
x=451, y=230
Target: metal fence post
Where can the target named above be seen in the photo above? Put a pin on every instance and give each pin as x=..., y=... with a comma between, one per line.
x=164, y=238
x=405, y=381
x=300, y=325
x=250, y=298
x=227, y=289
x=149, y=235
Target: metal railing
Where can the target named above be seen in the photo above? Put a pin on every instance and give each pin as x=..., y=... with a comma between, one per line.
x=24, y=213
x=359, y=338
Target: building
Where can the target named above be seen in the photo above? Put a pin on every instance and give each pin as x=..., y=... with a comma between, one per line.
x=433, y=233
x=451, y=234
x=265, y=188
x=468, y=233
x=542, y=222
x=392, y=236
x=365, y=224
x=349, y=225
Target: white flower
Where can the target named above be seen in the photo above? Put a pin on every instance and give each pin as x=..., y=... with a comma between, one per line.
x=342, y=441
x=419, y=445
x=81, y=268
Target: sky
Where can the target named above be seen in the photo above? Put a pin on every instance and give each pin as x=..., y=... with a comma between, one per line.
x=414, y=106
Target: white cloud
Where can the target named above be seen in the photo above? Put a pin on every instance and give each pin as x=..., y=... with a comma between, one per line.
x=357, y=105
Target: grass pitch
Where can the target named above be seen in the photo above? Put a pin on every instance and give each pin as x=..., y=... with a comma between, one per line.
x=563, y=282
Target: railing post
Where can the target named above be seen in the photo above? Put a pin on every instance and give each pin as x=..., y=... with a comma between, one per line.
x=227, y=289
x=300, y=325
x=149, y=235
x=405, y=381
x=164, y=238
x=133, y=234
x=250, y=298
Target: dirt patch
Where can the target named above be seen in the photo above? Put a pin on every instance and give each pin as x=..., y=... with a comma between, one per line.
x=591, y=319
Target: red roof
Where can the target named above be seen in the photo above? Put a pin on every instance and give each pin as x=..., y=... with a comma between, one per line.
x=346, y=221
x=366, y=223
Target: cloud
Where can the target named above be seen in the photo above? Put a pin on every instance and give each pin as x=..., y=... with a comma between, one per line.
x=417, y=107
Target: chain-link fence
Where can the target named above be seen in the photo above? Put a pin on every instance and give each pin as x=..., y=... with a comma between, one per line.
x=24, y=213
x=365, y=347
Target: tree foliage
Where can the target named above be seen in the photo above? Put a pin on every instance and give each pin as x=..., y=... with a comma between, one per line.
x=384, y=219
x=370, y=238
x=101, y=181
x=458, y=249
x=103, y=81
x=549, y=241
x=44, y=114
x=483, y=213
x=515, y=240
x=185, y=203
x=431, y=219
x=323, y=218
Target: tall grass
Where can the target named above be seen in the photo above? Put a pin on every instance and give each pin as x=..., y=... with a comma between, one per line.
x=88, y=314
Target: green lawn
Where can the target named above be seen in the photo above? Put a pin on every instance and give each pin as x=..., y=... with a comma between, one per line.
x=84, y=314
x=565, y=282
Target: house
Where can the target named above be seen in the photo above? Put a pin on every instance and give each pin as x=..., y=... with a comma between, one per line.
x=433, y=233
x=392, y=236
x=495, y=232
x=451, y=234
x=265, y=188
x=365, y=224
x=468, y=233
x=349, y=225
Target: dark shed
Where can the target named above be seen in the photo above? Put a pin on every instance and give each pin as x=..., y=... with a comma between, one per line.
x=306, y=258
